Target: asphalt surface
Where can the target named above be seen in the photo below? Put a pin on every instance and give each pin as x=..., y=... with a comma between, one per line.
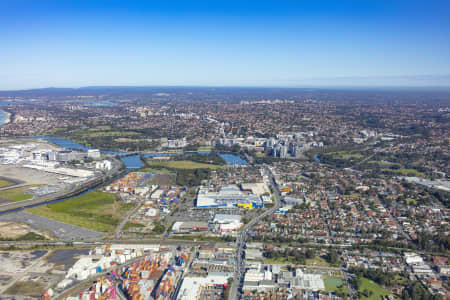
x=58, y=229
x=239, y=271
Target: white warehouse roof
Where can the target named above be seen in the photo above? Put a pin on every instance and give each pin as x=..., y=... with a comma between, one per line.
x=224, y=218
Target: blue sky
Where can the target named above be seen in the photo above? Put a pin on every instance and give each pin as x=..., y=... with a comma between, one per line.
x=224, y=43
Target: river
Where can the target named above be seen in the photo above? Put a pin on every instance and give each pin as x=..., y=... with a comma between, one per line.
x=233, y=160
x=316, y=158
x=134, y=161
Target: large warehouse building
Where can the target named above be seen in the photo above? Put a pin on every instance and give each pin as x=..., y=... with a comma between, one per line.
x=227, y=196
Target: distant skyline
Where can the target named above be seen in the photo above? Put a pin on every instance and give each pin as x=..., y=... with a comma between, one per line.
x=234, y=43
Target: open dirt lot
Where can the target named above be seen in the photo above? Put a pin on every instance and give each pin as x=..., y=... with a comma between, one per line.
x=13, y=230
x=25, y=274
x=55, y=228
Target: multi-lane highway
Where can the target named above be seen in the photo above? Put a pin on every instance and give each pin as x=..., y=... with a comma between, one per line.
x=239, y=271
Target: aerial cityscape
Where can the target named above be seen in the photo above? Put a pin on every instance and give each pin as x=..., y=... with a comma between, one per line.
x=220, y=151
x=152, y=196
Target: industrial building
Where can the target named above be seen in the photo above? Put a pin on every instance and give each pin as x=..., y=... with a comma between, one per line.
x=94, y=153
x=62, y=171
x=293, y=200
x=310, y=282
x=65, y=155
x=175, y=144
x=261, y=280
x=227, y=196
x=227, y=223
x=224, y=218
x=258, y=188
x=104, y=165
x=193, y=287
x=184, y=227
x=253, y=254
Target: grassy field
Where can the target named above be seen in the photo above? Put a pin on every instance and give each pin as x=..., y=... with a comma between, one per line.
x=401, y=280
x=5, y=183
x=130, y=225
x=95, y=210
x=182, y=164
x=205, y=148
x=26, y=288
x=279, y=260
x=100, y=128
x=317, y=261
x=381, y=163
x=148, y=169
x=346, y=154
x=164, y=179
x=404, y=172
x=16, y=194
x=90, y=134
x=30, y=236
x=376, y=289
x=333, y=284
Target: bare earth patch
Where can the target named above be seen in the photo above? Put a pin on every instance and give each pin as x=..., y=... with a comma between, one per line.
x=12, y=230
x=27, y=175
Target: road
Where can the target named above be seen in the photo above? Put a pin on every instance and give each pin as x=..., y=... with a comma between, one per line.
x=239, y=271
x=186, y=270
x=399, y=226
x=350, y=288
x=120, y=294
x=15, y=186
x=118, y=231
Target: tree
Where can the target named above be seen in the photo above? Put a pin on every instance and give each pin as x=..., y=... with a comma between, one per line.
x=159, y=228
x=310, y=253
x=332, y=256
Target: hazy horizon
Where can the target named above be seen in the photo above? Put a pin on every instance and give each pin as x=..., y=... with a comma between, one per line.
x=312, y=87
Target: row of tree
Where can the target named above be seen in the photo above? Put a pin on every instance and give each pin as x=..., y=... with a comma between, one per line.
x=292, y=255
